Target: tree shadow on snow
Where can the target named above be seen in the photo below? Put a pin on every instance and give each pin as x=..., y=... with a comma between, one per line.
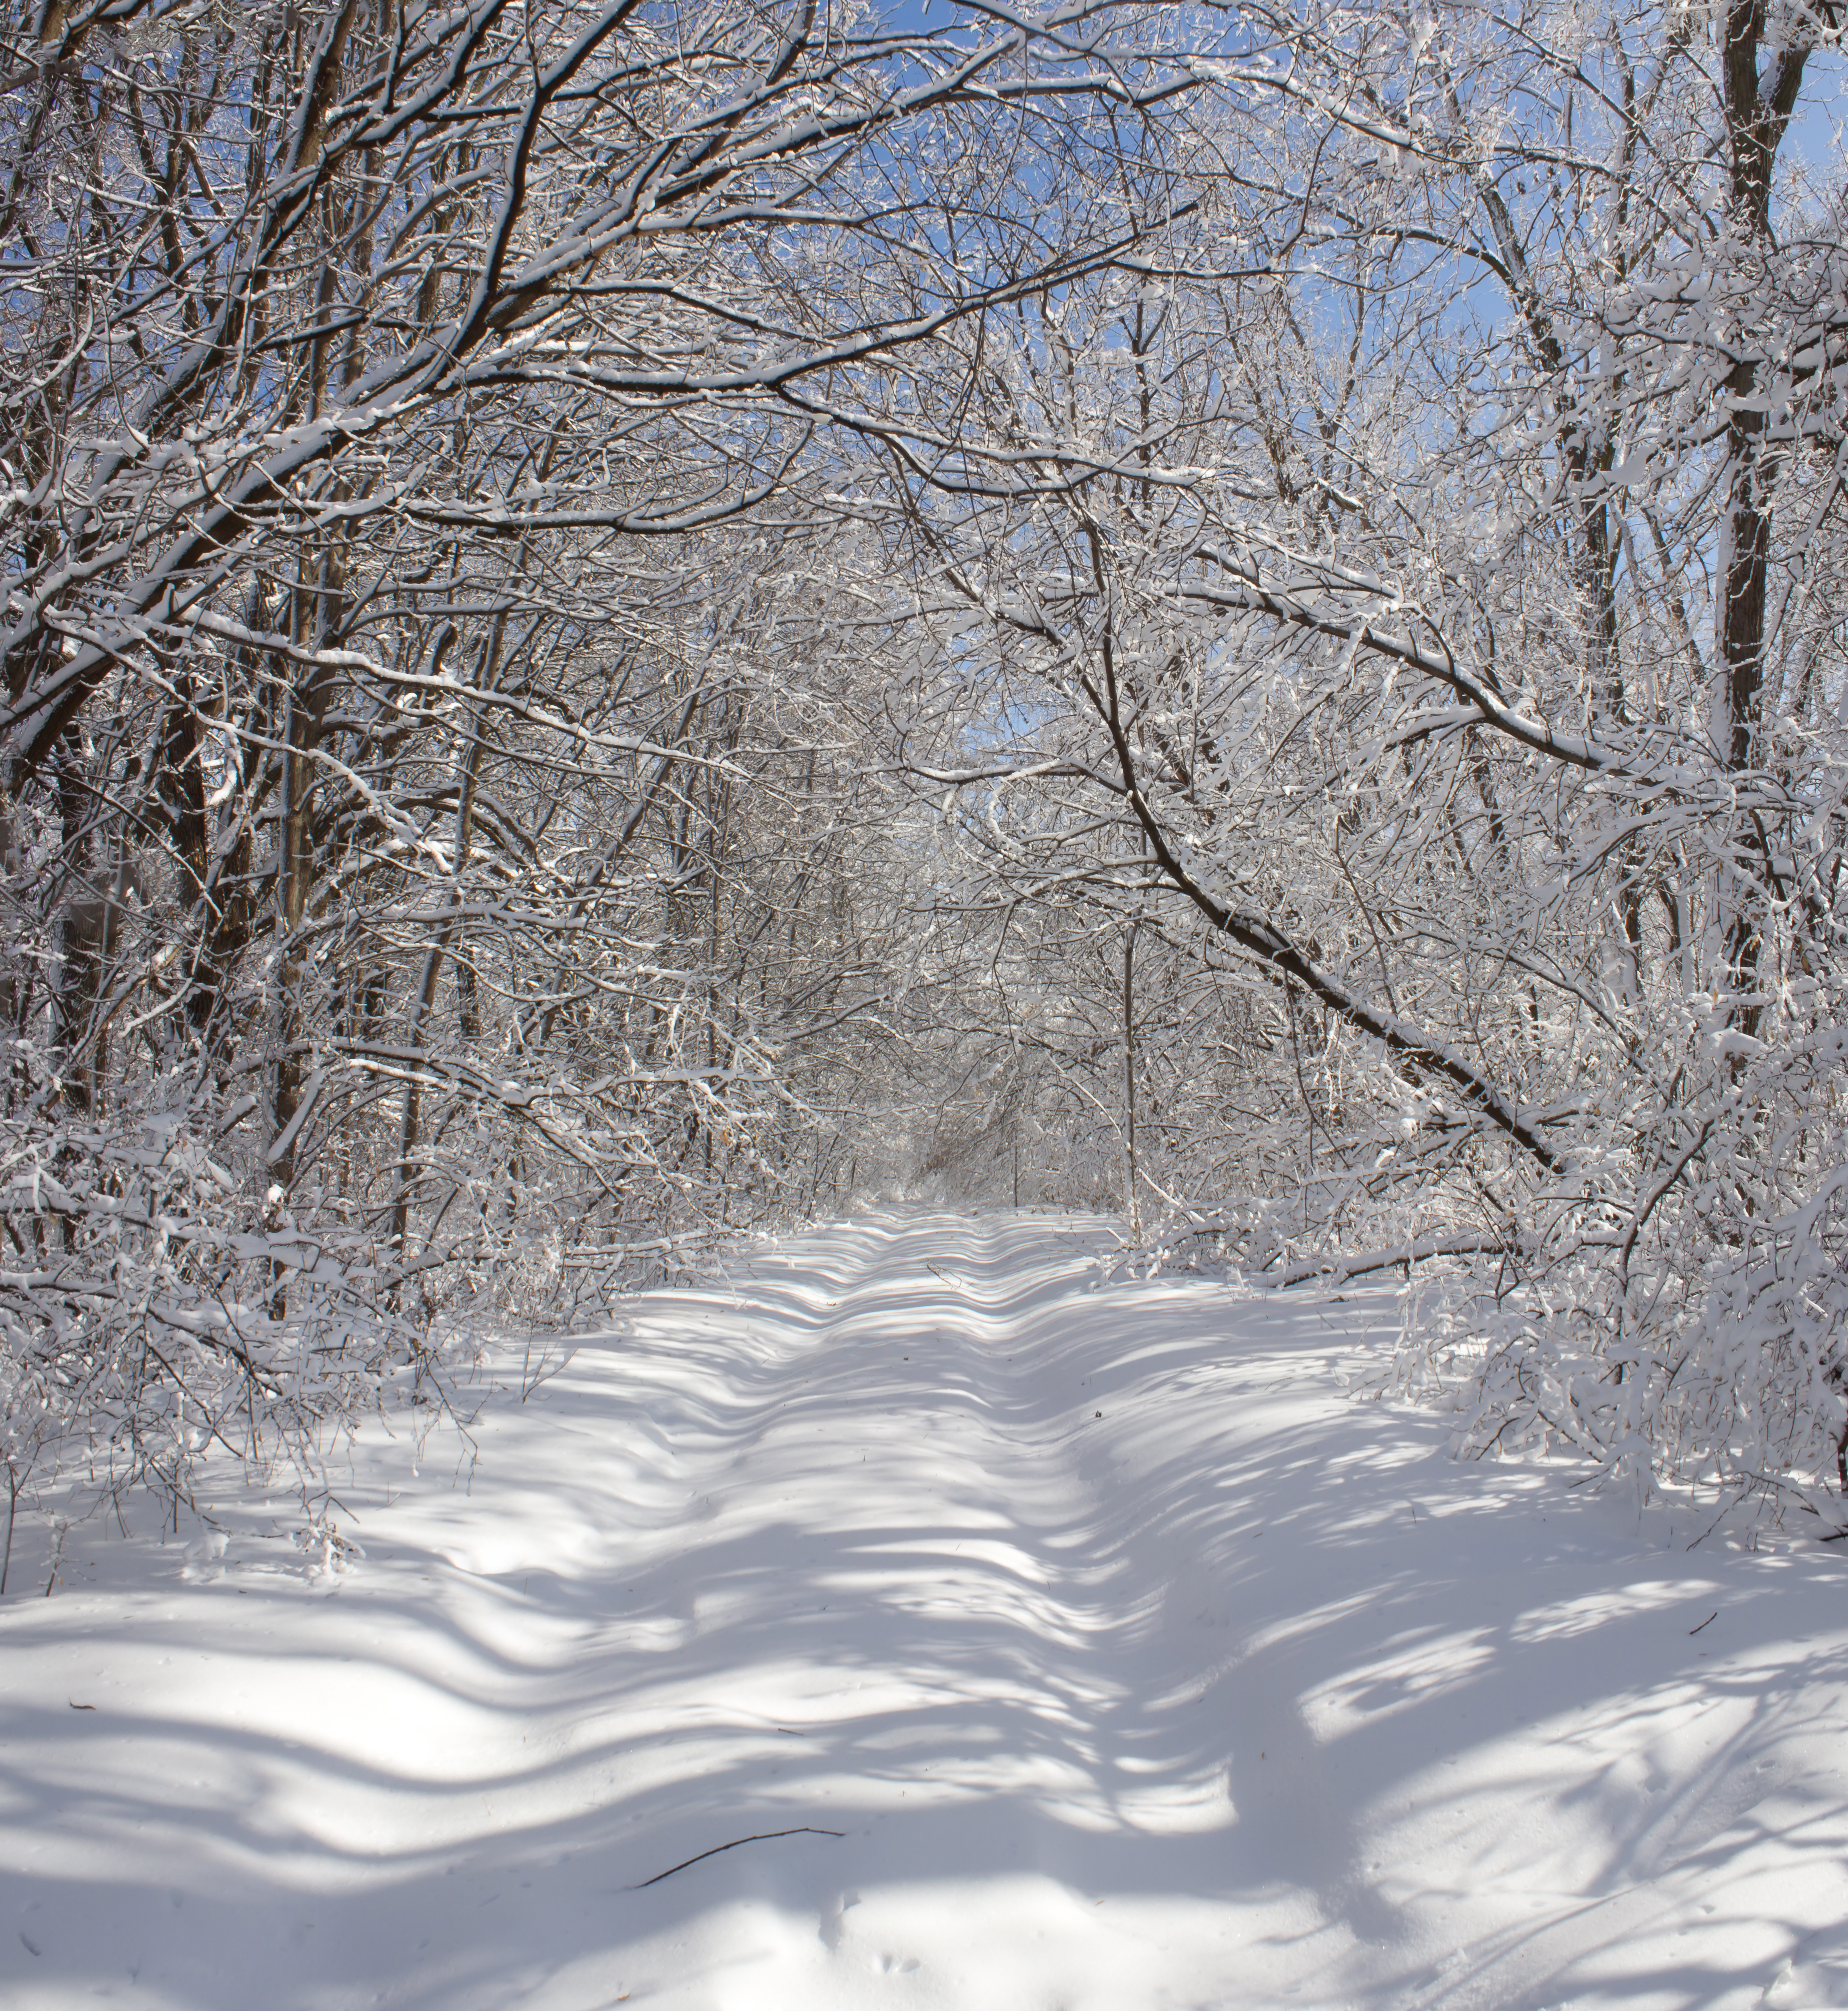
x=882, y=1569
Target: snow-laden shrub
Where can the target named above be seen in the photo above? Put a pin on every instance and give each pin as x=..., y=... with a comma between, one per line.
x=1722, y=1368
x=153, y=1311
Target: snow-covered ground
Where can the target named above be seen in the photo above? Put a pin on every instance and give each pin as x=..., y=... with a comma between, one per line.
x=1091, y=1646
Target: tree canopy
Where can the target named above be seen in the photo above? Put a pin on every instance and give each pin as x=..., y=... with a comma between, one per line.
x=626, y=622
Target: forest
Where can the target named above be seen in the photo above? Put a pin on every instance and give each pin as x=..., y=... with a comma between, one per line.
x=630, y=622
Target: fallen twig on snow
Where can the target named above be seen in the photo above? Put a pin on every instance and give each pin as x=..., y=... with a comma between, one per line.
x=764, y=1836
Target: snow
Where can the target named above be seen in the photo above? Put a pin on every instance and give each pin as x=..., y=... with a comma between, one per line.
x=1240, y=1693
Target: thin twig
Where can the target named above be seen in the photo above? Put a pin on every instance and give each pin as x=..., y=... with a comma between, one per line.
x=763, y=1836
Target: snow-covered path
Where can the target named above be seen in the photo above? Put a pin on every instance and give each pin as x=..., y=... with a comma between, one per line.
x=1097, y=1650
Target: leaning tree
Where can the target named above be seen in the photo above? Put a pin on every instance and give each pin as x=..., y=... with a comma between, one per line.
x=1419, y=580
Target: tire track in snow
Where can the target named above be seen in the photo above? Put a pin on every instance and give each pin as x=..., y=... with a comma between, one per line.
x=1179, y=1704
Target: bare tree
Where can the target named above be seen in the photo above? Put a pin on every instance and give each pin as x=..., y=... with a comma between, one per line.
x=415, y=420
x=1429, y=560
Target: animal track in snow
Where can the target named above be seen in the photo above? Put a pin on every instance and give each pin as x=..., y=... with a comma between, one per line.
x=834, y=1922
